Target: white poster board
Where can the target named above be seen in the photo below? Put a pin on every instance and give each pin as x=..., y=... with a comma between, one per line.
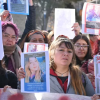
x=64, y=20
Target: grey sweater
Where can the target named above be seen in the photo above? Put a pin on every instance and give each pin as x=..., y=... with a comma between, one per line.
x=56, y=88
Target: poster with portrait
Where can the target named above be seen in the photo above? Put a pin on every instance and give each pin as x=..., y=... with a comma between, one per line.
x=33, y=47
x=36, y=67
x=18, y=6
x=91, y=18
x=97, y=73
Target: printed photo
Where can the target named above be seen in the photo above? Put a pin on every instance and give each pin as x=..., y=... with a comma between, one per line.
x=35, y=68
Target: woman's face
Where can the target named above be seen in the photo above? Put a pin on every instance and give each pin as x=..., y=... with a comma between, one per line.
x=81, y=49
x=94, y=38
x=37, y=38
x=33, y=64
x=63, y=55
x=9, y=37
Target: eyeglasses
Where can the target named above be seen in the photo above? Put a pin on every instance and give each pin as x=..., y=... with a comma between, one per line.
x=6, y=36
x=83, y=46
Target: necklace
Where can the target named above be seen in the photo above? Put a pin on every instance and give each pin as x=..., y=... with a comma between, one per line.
x=62, y=73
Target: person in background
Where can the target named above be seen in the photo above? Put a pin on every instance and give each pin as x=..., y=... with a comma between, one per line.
x=11, y=60
x=83, y=54
x=50, y=37
x=35, y=36
x=95, y=43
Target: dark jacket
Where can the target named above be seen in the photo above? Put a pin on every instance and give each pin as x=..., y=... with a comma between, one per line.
x=9, y=78
x=30, y=22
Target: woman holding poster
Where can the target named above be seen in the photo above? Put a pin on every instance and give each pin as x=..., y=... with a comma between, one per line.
x=65, y=77
x=33, y=71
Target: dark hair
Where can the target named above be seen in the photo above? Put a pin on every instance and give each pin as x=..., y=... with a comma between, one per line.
x=2, y=70
x=27, y=37
x=89, y=53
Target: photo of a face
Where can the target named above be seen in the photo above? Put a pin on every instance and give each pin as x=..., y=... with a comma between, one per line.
x=35, y=68
x=34, y=65
x=35, y=47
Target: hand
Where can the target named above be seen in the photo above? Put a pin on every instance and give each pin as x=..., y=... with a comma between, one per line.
x=4, y=15
x=21, y=73
x=76, y=28
x=31, y=2
x=91, y=67
x=91, y=77
x=5, y=88
x=95, y=97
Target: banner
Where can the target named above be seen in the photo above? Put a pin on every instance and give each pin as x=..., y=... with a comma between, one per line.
x=13, y=94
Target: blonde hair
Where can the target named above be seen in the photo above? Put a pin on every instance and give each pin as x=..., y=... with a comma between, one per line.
x=28, y=72
x=76, y=74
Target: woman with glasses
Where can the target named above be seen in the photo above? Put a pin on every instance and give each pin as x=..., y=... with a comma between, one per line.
x=83, y=54
x=11, y=60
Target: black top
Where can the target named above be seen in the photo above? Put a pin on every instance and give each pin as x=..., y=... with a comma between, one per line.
x=63, y=78
x=9, y=78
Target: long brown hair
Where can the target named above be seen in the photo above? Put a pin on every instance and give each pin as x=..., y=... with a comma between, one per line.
x=75, y=72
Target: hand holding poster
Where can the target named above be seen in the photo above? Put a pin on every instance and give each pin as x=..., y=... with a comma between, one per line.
x=64, y=20
x=97, y=73
x=18, y=6
x=91, y=18
x=36, y=67
x=33, y=47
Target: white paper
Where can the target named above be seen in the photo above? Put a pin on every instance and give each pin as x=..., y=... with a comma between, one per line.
x=91, y=18
x=97, y=73
x=18, y=6
x=29, y=84
x=1, y=43
x=64, y=20
x=33, y=47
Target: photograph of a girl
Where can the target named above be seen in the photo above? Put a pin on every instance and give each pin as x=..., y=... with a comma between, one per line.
x=33, y=71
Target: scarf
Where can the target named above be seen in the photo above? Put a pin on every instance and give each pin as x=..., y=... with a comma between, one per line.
x=14, y=53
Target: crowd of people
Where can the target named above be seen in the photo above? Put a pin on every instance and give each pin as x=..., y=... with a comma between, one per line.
x=71, y=61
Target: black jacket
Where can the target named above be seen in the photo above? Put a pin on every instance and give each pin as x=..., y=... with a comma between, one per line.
x=9, y=78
